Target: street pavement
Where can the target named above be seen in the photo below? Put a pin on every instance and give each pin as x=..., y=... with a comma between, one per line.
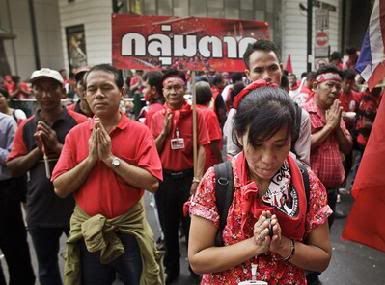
x=351, y=264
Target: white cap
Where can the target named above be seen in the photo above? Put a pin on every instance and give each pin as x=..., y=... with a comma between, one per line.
x=47, y=73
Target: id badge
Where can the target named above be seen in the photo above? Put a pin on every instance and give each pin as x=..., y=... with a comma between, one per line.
x=177, y=143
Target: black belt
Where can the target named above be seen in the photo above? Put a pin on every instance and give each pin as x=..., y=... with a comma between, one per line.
x=178, y=174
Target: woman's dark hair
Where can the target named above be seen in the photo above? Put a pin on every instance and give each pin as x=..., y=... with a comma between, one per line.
x=203, y=92
x=237, y=87
x=154, y=79
x=217, y=79
x=264, y=111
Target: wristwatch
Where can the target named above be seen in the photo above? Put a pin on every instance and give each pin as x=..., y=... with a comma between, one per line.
x=115, y=162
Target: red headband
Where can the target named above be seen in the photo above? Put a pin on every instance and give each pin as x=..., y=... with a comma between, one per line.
x=177, y=78
x=252, y=86
x=328, y=76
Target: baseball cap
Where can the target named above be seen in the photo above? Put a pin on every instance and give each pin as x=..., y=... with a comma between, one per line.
x=46, y=73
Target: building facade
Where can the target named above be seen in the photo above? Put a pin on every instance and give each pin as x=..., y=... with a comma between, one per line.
x=68, y=33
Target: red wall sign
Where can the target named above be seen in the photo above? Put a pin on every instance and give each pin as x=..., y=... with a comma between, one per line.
x=322, y=39
x=155, y=42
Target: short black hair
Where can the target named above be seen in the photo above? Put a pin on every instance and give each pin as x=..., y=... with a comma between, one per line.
x=264, y=111
x=154, y=79
x=285, y=81
x=303, y=74
x=259, y=45
x=109, y=69
x=237, y=87
x=351, y=51
x=328, y=68
x=335, y=55
x=173, y=73
x=349, y=74
x=203, y=92
x=218, y=78
x=236, y=76
x=311, y=75
x=4, y=92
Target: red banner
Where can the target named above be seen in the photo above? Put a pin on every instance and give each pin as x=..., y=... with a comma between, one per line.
x=155, y=42
x=365, y=222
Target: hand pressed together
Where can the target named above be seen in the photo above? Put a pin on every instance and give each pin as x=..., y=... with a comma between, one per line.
x=268, y=234
x=46, y=139
x=334, y=114
x=99, y=144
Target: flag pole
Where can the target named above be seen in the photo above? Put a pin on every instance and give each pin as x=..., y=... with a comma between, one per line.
x=195, y=134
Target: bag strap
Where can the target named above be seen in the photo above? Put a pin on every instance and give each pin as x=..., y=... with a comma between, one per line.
x=224, y=190
x=306, y=180
x=297, y=125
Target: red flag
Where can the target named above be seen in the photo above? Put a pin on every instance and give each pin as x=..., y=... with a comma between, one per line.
x=288, y=66
x=365, y=222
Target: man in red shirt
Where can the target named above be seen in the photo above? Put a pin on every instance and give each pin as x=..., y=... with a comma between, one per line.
x=37, y=145
x=218, y=104
x=81, y=105
x=328, y=139
x=329, y=136
x=107, y=176
x=306, y=91
x=152, y=92
x=350, y=99
x=172, y=129
x=293, y=84
x=214, y=148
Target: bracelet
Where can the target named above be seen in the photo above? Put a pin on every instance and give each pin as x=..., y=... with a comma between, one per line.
x=292, y=251
x=196, y=180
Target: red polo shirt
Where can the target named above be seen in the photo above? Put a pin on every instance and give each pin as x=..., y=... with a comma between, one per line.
x=179, y=159
x=214, y=132
x=104, y=191
x=152, y=109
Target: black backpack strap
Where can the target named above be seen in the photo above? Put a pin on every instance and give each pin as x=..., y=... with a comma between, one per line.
x=224, y=189
x=306, y=180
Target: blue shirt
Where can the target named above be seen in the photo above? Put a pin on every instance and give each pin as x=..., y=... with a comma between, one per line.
x=7, y=133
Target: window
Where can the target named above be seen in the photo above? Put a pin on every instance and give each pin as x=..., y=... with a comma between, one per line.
x=181, y=8
x=198, y=8
x=232, y=9
x=149, y=7
x=165, y=7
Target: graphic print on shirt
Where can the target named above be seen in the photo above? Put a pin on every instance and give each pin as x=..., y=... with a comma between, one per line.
x=280, y=194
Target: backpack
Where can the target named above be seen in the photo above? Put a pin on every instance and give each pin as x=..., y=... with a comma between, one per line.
x=224, y=192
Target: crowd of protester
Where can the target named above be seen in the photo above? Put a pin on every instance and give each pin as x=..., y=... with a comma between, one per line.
x=80, y=167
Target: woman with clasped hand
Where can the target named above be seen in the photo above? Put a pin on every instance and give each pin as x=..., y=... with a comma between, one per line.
x=270, y=222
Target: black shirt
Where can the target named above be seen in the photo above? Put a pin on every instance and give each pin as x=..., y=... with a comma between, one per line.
x=44, y=207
